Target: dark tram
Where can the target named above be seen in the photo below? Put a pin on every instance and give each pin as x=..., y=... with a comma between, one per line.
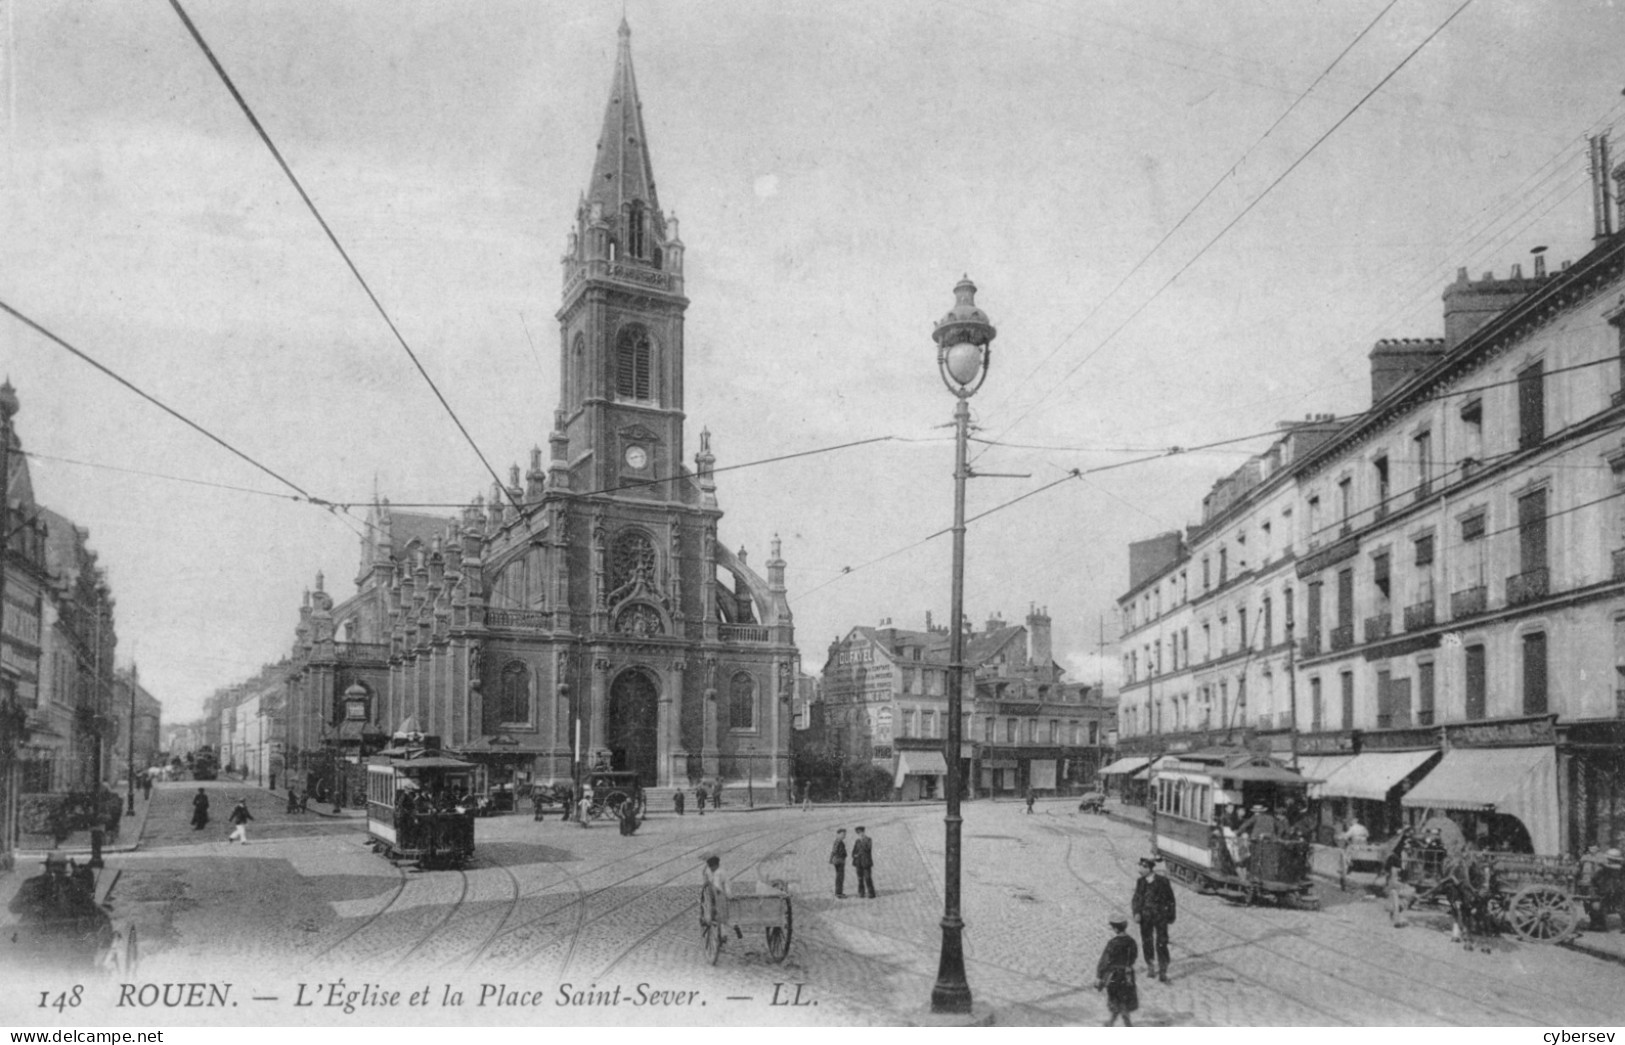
x=420, y=805
x=1225, y=823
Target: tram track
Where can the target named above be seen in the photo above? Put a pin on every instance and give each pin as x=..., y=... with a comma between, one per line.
x=1482, y=1002
x=687, y=910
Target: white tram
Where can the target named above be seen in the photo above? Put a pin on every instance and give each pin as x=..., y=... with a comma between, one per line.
x=418, y=805
x=1199, y=804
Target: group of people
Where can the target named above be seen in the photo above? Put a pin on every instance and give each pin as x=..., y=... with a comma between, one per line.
x=238, y=817
x=1153, y=907
x=863, y=862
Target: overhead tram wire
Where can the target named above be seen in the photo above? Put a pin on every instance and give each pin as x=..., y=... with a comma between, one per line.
x=165, y=407
x=1211, y=189
x=36, y=455
x=253, y=120
x=1248, y=209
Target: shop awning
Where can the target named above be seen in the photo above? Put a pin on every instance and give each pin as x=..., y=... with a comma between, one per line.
x=1041, y=773
x=1518, y=781
x=1321, y=767
x=1125, y=765
x=920, y=763
x=1373, y=774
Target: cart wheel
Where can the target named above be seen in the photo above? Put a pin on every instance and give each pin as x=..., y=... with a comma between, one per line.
x=1542, y=913
x=713, y=941
x=778, y=937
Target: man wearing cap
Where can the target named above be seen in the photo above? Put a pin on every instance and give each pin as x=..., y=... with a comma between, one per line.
x=1114, y=974
x=1153, y=908
x=837, y=860
x=1262, y=823
x=863, y=860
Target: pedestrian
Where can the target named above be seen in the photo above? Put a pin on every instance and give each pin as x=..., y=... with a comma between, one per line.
x=677, y=797
x=628, y=816
x=1153, y=907
x=273, y=780
x=837, y=860
x=863, y=859
x=200, y=810
x=1397, y=883
x=699, y=798
x=584, y=807
x=1114, y=974
x=714, y=893
x=569, y=801
x=806, y=796
x=240, y=816
x=716, y=796
x=293, y=801
x=146, y=787
x=1029, y=801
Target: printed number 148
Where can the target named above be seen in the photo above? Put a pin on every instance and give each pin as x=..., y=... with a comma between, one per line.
x=64, y=1000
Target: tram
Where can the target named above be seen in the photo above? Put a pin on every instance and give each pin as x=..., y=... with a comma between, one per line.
x=418, y=803
x=1199, y=805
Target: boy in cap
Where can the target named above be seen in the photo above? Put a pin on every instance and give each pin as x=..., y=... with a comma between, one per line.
x=1115, y=972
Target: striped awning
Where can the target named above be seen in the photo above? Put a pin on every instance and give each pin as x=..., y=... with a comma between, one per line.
x=1375, y=773
x=920, y=763
x=1518, y=781
x=1322, y=768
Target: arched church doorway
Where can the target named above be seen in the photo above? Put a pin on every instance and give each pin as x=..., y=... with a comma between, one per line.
x=633, y=725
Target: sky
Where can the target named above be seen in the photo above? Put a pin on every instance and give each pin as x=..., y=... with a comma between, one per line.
x=836, y=168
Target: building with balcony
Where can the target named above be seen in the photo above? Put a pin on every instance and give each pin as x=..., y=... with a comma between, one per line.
x=588, y=607
x=1461, y=616
x=884, y=700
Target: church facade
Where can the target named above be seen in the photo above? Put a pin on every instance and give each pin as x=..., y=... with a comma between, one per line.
x=588, y=607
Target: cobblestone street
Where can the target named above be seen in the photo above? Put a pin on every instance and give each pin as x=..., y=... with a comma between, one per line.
x=549, y=906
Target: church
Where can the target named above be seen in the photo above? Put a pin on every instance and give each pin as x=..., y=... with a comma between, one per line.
x=588, y=607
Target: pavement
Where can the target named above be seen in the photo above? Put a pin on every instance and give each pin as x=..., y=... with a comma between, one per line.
x=551, y=906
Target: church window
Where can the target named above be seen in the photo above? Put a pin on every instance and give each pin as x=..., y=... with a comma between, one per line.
x=634, y=366
x=632, y=554
x=742, y=702
x=513, y=694
x=578, y=371
x=636, y=235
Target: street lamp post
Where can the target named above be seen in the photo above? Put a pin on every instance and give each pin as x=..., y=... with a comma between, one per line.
x=964, y=340
x=129, y=750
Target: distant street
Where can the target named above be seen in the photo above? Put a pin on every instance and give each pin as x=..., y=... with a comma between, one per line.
x=550, y=904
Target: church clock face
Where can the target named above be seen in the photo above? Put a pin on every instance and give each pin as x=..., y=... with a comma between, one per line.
x=637, y=458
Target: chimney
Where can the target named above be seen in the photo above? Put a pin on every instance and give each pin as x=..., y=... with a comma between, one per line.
x=1469, y=305
x=1540, y=261
x=1602, y=213
x=1396, y=360
x=1039, y=651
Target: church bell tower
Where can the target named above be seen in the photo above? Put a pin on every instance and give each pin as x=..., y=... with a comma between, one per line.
x=621, y=320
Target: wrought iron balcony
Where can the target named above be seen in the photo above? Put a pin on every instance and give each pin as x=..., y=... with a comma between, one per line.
x=1379, y=627
x=1342, y=637
x=1310, y=647
x=1424, y=718
x=1529, y=586
x=1468, y=602
x=1619, y=564
x=1419, y=616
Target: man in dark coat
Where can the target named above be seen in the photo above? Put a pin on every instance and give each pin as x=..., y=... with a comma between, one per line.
x=837, y=860
x=200, y=810
x=863, y=858
x=1153, y=908
x=1115, y=972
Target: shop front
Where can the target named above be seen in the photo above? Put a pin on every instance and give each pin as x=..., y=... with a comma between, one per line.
x=1114, y=778
x=920, y=775
x=1503, y=798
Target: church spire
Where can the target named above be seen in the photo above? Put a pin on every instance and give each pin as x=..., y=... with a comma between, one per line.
x=621, y=174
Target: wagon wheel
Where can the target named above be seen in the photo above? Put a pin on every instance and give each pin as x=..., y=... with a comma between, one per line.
x=713, y=941
x=778, y=937
x=1542, y=913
